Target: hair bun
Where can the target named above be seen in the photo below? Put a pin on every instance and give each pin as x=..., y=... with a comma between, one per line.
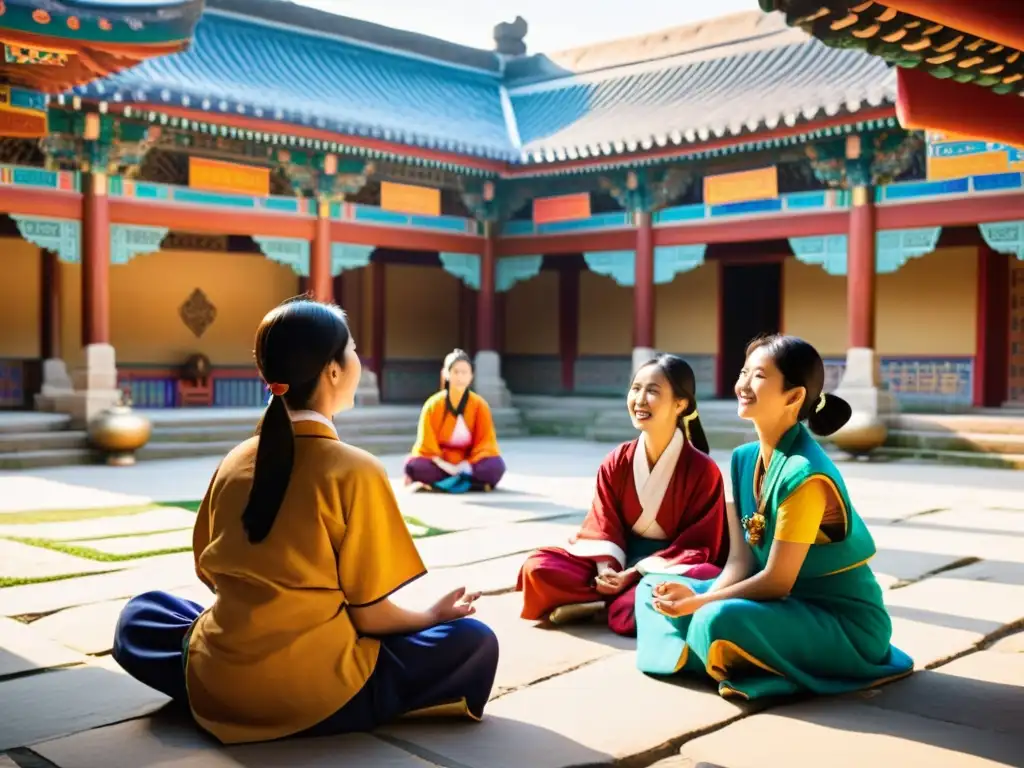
x=832, y=416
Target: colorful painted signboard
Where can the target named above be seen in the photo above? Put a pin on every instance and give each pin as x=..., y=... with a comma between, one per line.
x=407, y=198
x=951, y=156
x=547, y=210
x=218, y=176
x=742, y=186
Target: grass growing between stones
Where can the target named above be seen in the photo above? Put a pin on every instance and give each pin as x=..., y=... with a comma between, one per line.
x=88, y=553
x=19, y=581
x=73, y=515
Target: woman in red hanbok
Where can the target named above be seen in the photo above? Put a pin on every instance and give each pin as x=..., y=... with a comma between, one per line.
x=659, y=507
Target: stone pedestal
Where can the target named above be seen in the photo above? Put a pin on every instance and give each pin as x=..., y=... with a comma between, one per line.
x=368, y=392
x=56, y=384
x=487, y=381
x=640, y=356
x=861, y=386
x=95, y=386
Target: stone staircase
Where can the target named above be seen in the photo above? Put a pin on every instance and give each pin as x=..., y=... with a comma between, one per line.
x=32, y=440
x=991, y=438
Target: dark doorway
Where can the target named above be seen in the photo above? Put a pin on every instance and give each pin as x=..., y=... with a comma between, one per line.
x=751, y=306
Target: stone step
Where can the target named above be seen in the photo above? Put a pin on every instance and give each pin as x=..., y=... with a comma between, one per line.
x=963, y=458
x=55, y=458
x=932, y=440
x=17, y=422
x=1010, y=424
x=52, y=440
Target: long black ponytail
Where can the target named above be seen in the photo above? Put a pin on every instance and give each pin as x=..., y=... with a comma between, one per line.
x=294, y=343
x=683, y=381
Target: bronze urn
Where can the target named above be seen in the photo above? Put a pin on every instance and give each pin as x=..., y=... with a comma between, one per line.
x=118, y=432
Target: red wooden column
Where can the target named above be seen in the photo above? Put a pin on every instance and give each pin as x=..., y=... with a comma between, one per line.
x=49, y=308
x=379, y=316
x=95, y=260
x=991, y=362
x=485, y=296
x=643, y=290
x=568, y=323
x=321, y=283
x=860, y=270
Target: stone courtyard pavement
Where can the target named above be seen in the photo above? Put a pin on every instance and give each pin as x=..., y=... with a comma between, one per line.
x=951, y=557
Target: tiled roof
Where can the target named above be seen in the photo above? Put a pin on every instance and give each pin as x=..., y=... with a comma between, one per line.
x=750, y=75
x=734, y=76
x=252, y=67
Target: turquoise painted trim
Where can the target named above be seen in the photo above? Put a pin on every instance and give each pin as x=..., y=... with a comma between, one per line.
x=612, y=220
x=145, y=23
x=22, y=98
x=368, y=214
x=796, y=202
x=620, y=266
x=464, y=266
x=349, y=256
x=291, y=251
x=1005, y=237
x=516, y=269
x=25, y=176
x=128, y=241
x=169, y=193
x=671, y=260
x=62, y=236
x=893, y=249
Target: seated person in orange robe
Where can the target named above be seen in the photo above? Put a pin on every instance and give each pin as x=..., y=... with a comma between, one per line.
x=659, y=507
x=456, y=447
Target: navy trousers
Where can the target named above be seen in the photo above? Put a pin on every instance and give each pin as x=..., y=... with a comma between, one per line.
x=446, y=664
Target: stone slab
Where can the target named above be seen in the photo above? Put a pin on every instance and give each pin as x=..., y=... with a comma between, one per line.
x=1012, y=644
x=909, y=538
x=89, y=629
x=477, y=545
x=168, y=572
x=25, y=561
x=892, y=566
x=24, y=649
x=133, y=545
x=945, y=615
x=983, y=690
x=490, y=577
x=66, y=701
x=566, y=721
x=846, y=734
x=21, y=493
x=974, y=520
x=160, y=519
x=6, y=762
x=530, y=653
x=172, y=743
x=444, y=512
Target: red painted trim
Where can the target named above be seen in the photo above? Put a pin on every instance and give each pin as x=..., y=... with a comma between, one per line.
x=202, y=219
x=720, y=362
x=28, y=201
x=379, y=317
x=860, y=277
x=574, y=244
x=569, y=324
x=404, y=239
x=289, y=129
x=678, y=152
x=964, y=211
x=485, y=326
x=747, y=230
x=643, y=288
x=982, y=330
x=320, y=280
x=95, y=262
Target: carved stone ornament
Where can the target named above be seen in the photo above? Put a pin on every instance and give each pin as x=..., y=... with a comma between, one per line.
x=198, y=313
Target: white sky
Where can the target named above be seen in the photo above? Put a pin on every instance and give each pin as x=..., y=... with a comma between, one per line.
x=554, y=24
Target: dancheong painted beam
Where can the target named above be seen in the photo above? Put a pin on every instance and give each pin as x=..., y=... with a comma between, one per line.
x=962, y=45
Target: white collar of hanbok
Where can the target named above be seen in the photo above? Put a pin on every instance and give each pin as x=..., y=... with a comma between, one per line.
x=313, y=416
x=651, y=485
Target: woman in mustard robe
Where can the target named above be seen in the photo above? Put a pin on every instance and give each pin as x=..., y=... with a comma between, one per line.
x=456, y=447
x=301, y=539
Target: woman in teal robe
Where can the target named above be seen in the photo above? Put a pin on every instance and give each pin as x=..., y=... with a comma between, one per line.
x=796, y=608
